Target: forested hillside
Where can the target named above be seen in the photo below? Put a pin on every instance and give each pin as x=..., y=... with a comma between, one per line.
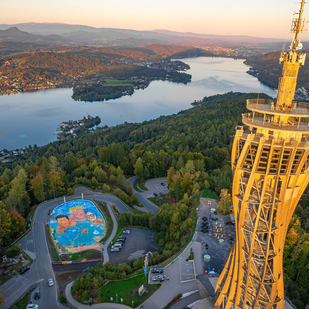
x=268, y=70
x=92, y=72
x=191, y=148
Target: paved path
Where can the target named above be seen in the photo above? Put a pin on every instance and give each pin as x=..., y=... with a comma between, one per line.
x=41, y=268
x=112, y=235
x=143, y=196
x=186, y=301
x=78, y=305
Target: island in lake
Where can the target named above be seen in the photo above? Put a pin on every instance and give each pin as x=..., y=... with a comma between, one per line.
x=78, y=127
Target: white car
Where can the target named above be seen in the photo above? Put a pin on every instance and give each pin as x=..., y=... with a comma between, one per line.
x=114, y=249
x=32, y=306
x=126, y=232
x=50, y=282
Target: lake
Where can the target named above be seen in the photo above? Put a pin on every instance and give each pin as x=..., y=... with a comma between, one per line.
x=32, y=117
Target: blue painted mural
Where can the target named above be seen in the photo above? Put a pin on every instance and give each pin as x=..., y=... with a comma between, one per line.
x=77, y=226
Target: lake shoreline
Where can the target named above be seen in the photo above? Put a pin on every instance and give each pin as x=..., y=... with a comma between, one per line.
x=37, y=114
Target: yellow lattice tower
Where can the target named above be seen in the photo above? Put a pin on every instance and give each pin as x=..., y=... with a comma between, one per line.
x=270, y=163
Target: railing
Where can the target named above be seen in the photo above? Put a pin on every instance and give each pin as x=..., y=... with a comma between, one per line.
x=259, y=101
x=301, y=126
x=270, y=105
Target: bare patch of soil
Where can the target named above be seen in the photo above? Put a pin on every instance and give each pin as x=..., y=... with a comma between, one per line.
x=63, y=277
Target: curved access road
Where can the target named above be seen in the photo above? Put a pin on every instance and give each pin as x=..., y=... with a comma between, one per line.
x=34, y=243
x=143, y=196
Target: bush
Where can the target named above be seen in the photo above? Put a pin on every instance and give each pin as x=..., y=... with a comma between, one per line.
x=62, y=298
x=106, y=188
x=69, y=191
x=13, y=251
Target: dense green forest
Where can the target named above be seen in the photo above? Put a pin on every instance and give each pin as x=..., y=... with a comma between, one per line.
x=191, y=148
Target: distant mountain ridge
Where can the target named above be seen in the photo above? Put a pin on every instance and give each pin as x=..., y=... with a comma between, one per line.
x=16, y=35
x=117, y=37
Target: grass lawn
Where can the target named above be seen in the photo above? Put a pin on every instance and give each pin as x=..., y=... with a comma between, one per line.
x=109, y=222
x=154, y=200
x=22, y=304
x=52, y=248
x=207, y=193
x=127, y=290
x=89, y=254
x=118, y=82
x=136, y=188
x=138, y=212
x=118, y=233
x=142, y=186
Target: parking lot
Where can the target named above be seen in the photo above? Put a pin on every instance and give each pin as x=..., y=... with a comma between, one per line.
x=157, y=186
x=137, y=244
x=217, y=251
x=187, y=270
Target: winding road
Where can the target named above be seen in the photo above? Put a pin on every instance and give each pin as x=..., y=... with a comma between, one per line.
x=35, y=245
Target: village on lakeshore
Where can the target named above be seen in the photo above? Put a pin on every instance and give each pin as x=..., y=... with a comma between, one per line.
x=74, y=128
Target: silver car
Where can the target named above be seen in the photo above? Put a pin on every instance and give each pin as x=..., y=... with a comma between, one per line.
x=158, y=278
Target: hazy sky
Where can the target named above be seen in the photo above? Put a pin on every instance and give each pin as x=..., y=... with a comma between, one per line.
x=262, y=18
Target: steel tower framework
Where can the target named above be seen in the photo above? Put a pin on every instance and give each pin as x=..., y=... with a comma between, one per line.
x=270, y=162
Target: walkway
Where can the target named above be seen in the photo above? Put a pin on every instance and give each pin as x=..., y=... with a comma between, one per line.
x=112, y=235
x=78, y=305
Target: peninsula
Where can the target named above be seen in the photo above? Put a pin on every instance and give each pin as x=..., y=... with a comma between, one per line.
x=78, y=127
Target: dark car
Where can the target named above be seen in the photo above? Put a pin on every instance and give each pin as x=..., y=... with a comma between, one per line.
x=162, y=183
x=157, y=270
x=24, y=269
x=37, y=295
x=155, y=194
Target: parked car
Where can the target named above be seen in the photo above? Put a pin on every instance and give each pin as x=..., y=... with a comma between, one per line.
x=155, y=194
x=162, y=183
x=126, y=232
x=24, y=269
x=157, y=270
x=32, y=306
x=50, y=282
x=117, y=245
x=37, y=295
x=115, y=249
x=160, y=193
x=158, y=278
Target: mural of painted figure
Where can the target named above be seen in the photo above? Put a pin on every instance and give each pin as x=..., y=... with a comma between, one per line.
x=93, y=218
x=63, y=223
x=77, y=214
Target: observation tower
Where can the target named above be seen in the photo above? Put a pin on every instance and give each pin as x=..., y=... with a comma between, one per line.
x=270, y=163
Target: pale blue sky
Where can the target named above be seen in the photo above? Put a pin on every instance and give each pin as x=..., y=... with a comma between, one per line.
x=262, y=18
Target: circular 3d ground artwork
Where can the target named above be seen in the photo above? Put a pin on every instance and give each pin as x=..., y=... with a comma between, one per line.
x=76, y=226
